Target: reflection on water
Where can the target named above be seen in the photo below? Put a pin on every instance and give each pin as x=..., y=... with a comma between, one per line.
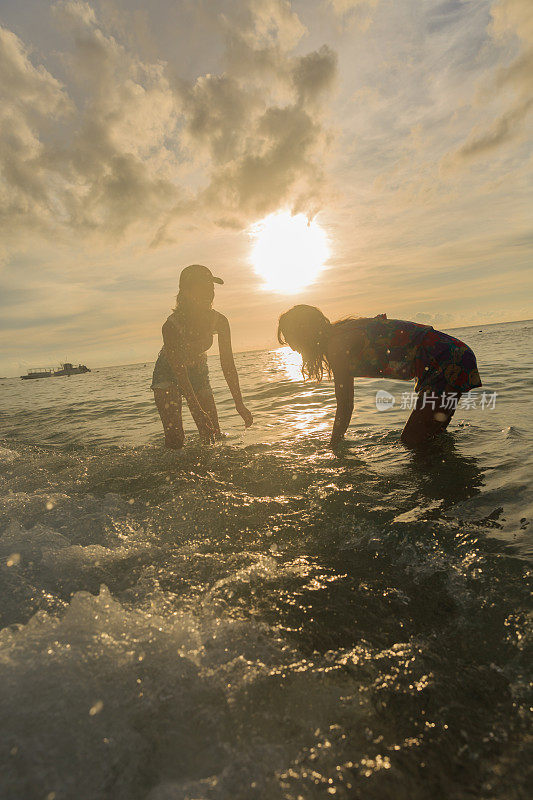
x=310, y=409
x=288, y=363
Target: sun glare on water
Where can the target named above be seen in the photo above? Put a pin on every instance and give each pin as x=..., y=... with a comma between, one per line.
x=288, y=252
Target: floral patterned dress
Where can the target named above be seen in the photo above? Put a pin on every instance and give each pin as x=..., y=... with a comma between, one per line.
x=402, y=350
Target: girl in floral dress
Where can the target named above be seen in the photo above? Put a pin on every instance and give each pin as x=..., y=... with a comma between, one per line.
x=377, y=347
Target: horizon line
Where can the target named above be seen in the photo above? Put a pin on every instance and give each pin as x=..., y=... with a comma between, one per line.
x=261, y=349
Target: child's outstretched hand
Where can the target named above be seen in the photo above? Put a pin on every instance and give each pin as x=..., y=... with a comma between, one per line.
x=245, y=414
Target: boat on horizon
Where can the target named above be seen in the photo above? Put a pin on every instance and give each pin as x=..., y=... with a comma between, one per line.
x=64, y=369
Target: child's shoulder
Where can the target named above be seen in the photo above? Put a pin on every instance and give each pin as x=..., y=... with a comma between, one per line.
x=348, y=336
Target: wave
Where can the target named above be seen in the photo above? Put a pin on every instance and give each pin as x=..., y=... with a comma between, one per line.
x=263, y=622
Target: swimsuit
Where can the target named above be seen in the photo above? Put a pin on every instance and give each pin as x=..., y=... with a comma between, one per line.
x=163, y=376
x=401, y=350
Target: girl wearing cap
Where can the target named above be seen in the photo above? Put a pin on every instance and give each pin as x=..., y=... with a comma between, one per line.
x=378, y=347
x=181, y=367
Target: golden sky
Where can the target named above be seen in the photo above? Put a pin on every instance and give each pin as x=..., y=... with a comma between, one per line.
x=138, y=136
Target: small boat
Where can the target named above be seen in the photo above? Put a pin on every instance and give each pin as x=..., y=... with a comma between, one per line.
x=65, y=369
x=37, y=373
x=69, y=369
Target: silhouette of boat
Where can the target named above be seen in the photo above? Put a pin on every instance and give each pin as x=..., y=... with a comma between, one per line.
x=65, y=369
x=70, y=369
x=37, y=373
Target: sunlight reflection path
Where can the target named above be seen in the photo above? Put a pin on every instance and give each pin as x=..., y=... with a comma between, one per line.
x=308, y=413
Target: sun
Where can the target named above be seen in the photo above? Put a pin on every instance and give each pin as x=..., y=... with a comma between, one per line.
x=288, y=252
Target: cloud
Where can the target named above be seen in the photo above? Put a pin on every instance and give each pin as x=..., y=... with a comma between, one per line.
x=117, y=162
x=433, y=318
x=76, y=11
x=351, y=12
x=89, y=169
x=261, y=120
x=279, y=160
x=283, y=169
x=259, y=126
x=505, y=128
x=261, y=24
x=217, y=109
x=127, y=145
x=314, y=74
x=22, y=83
x=183, y=123
x=30, y=95
x=511, y=19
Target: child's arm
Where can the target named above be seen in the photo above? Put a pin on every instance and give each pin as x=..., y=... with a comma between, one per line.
x=174, y=358
x=344, y=353
x=344, y=394
x=228, y=368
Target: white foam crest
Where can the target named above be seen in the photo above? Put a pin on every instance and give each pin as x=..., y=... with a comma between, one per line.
x=263, y=568
x=111, y=701
x=78, y=692
x=30, y=544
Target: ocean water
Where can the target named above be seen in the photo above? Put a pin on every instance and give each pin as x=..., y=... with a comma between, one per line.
x=263, y=618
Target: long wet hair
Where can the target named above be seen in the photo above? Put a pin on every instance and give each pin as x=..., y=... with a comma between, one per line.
x=308, y=328
x=197, y=319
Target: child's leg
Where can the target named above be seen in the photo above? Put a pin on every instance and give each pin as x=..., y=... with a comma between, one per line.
x=168, y=402
x=199, y=378
x=207, y=401
x=427, y=422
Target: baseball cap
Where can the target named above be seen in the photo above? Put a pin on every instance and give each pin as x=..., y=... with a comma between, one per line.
x=197, y=273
